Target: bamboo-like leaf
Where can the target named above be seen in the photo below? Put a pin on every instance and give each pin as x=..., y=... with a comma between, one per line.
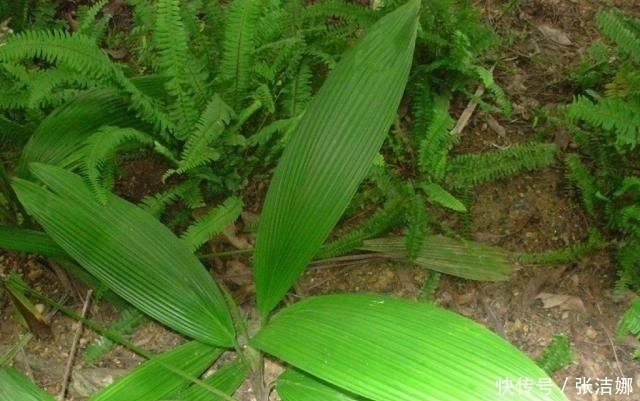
x=227, y=379
x=294, y=385
x=153, y=381
x=131, y=253
x=15, y=386
x=331, y=152
x=64, y=131
x=23, y=240
x=466, y=259
x=390, y=349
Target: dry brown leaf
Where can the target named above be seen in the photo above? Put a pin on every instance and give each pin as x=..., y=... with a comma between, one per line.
x=554, y=35
x=563, y=301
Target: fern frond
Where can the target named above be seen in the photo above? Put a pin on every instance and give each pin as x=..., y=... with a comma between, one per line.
x=565, y=255
x=556, y=355
x=77, y=52
x=43, y=84
x=486, y=77
x=297, y=93
x=435, y=145
x=628, y=220
x=379, y=222
x=578, y=173
x=238, y=46
x=417, y=220
x=216, y=220
x=625, y=84
x=263, y=95
x=618, y=115
x=174, y=60
x=630, y=322
x=130, y=319
x=101, y=147
x=353, y=14
x=472, y=169
x=87, y=20
x=156, y=204
x=620, y=28
x=64, y=131
x=212, y=123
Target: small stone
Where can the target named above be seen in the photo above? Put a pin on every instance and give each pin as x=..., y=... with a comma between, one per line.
x=591, y=333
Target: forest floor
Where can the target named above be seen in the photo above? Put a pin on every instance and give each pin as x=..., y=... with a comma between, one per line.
x=529, y=212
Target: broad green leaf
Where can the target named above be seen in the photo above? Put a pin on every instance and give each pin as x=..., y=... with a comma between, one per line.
x=390, y=349
x=131, y=253
x=227, y=379
x=65, y=130
x=15, y=386
x=31, y=241
x=442, y=197
x=153, y=381
x=331, y=152
x=294, y=385
x=466, y=259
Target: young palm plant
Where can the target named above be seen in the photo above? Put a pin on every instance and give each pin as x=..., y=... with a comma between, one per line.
x=334, y=347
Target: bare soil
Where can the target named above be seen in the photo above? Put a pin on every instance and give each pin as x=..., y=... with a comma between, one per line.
x=528, y=212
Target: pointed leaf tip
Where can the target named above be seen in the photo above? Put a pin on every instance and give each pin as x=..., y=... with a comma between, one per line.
x=331, y=152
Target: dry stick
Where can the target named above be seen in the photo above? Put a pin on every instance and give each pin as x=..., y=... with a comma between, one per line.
x=468, y=111
x=74, y=345
x=613, y=347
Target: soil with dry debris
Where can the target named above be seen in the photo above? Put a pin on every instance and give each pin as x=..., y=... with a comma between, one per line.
x=526, y=213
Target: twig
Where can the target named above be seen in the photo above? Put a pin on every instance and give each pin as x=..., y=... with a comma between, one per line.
x=74, y=345
x=347, y=259
x=613, y=347
x=468, y=111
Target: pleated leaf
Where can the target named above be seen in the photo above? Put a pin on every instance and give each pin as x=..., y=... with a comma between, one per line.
x=465, y=259
x=227, y=379
x=16, y=386
x=294, y=385
x=131, y=253
x=31, y=241
x=390, y=349
x=153, y=381
x=65, y=130
x=331, y=152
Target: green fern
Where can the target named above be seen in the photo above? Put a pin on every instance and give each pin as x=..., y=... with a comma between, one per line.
x=417, y=220
x=216, y=220
x=88, y=22
x=472, y=169
x=239, y=44
x=379, y=222
x=579, y=175
x=435, y=143
x=622, y=30
x=130, y=319
x=75, y=51
x=200, y=146
x=630, y=322
x=296, y=95
x=556, y=355
x=610, y=114
x=571, y=253
x=100, y=149
x=180, y=66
